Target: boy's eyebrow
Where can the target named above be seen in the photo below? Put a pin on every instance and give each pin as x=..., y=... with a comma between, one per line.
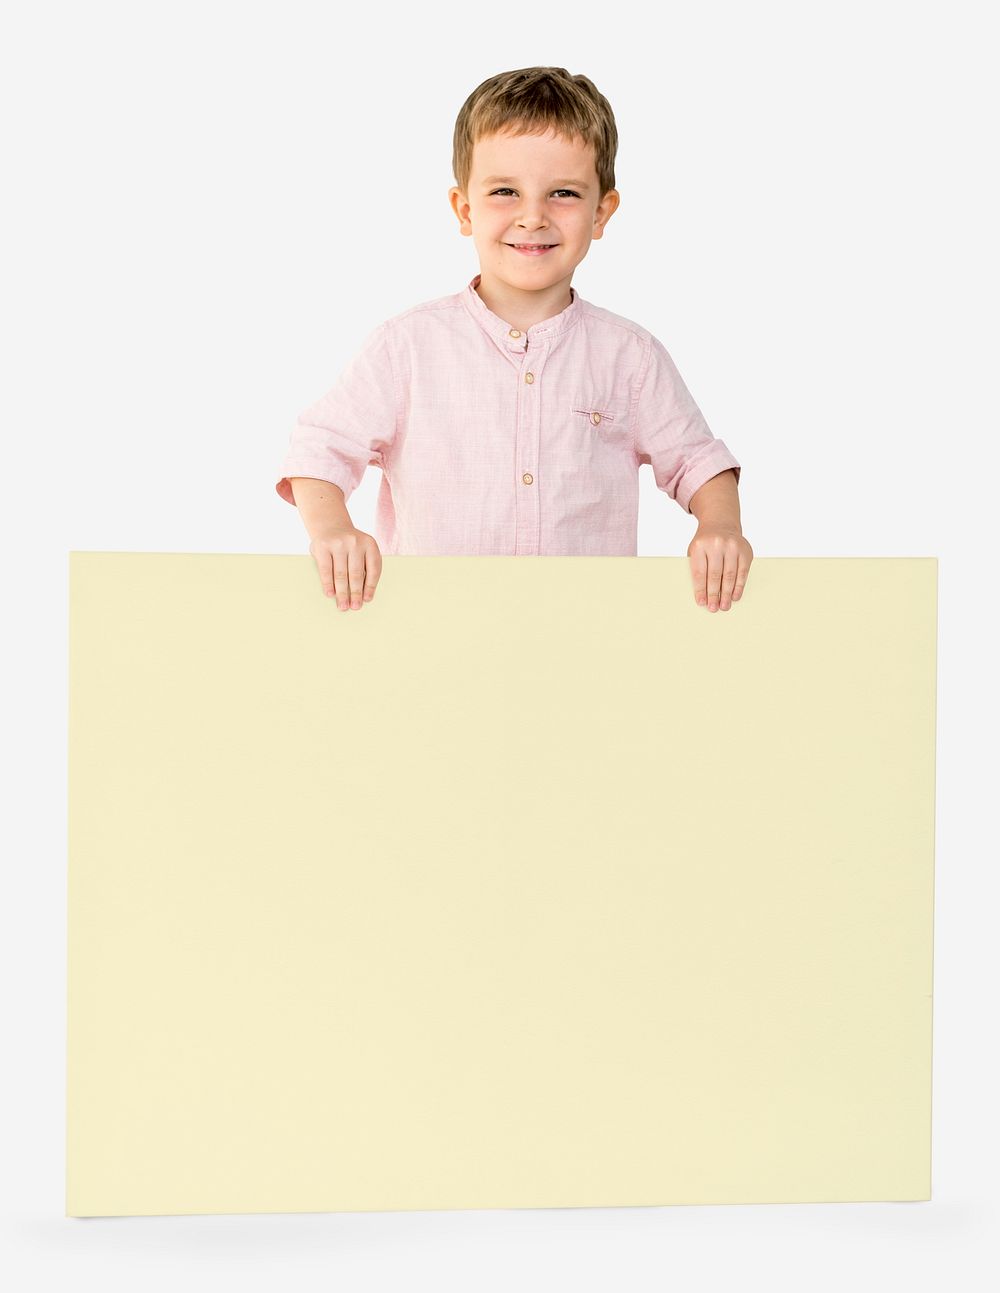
x=509, y=179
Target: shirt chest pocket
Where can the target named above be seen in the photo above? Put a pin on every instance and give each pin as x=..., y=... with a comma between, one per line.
x=600, y=416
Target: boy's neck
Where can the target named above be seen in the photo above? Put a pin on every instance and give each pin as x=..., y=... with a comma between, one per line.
x=523, y=309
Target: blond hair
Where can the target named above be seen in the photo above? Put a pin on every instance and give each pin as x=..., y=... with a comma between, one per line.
x=530, y=101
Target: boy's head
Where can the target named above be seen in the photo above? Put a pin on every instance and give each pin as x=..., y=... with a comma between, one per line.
x=534, y=161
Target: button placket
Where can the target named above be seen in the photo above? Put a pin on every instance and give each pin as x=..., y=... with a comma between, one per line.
x=527, y=510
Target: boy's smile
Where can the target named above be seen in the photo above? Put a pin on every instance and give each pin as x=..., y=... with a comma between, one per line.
x=533, y=209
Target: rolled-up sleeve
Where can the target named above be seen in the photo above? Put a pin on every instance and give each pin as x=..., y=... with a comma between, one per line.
x=351, y=427
x=671, y=434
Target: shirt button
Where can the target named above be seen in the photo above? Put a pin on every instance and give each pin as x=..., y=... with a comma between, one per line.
x=514, y=332
x=595, y=418
x=529, y=378
x=527, y=478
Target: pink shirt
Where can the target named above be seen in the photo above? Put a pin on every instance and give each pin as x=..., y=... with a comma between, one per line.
x=495, y=442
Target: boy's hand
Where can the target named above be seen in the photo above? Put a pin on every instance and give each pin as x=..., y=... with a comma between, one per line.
x=349, y=564
x=720, y=561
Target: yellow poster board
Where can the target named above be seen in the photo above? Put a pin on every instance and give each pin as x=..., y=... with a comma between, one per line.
x=531, y=884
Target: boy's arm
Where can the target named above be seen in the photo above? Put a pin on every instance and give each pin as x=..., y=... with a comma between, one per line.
x=717, y=502
x=350, y=428
x=670, y=433
x=321, y=505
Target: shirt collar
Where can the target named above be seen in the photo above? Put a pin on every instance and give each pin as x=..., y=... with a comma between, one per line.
x=501, y=331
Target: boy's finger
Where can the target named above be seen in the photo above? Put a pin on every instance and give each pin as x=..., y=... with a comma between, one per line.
x=729, y=580
x=356, y=575
x=373, y=572
x=699, y=573
x=341, y=583
x=742, y=571
x=325, y=567
x=714, y=579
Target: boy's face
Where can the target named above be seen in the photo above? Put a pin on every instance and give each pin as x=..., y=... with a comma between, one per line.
x=532, y=189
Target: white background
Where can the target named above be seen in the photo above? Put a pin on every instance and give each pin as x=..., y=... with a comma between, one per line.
x=209, y=205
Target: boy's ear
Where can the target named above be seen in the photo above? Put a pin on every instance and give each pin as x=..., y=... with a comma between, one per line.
x=459, y=204
x=606, y=208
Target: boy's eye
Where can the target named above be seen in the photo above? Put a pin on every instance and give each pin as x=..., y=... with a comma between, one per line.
x=572, y=192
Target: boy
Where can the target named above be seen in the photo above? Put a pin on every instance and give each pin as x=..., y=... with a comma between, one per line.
x=511, y=418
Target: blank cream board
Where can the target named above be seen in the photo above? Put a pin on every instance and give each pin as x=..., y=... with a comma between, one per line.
x=531, y=884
